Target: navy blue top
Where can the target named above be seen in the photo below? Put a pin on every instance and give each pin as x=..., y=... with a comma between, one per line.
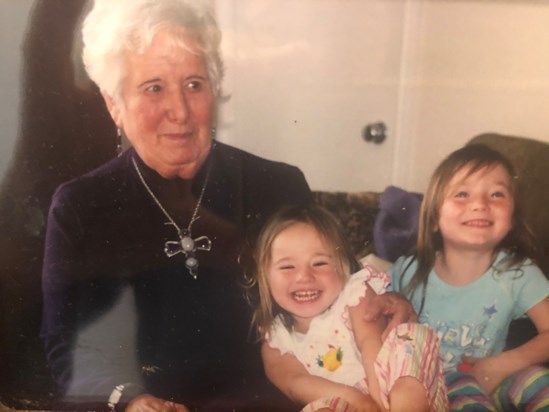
x=118, y=310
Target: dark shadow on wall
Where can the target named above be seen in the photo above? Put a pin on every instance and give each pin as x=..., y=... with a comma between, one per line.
x=64, y=131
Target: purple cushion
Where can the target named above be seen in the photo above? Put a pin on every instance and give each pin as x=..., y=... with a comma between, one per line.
x=396, y=225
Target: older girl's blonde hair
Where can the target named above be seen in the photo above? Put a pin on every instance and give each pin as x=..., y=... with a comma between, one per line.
x=266, y=310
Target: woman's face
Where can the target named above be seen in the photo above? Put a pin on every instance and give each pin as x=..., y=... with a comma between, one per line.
x=165, y=107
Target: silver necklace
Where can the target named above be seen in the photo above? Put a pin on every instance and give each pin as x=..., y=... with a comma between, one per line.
x=186, y=244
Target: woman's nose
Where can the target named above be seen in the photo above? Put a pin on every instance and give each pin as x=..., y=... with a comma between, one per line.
x=178, y=107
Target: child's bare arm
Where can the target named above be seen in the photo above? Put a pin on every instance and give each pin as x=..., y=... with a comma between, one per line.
x=368, y=338
x=291, y=377
x=491, y=371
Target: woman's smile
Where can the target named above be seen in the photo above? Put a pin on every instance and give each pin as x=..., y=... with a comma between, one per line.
x=178, y=136
x=166, y=107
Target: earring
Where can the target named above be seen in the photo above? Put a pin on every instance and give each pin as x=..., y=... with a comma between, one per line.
x=213, y=132
x=118, y=141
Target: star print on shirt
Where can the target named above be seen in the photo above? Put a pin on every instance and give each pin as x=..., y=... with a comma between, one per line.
x=490, y=310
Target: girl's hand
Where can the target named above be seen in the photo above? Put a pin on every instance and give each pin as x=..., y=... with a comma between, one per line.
x=376, y=400
x=351, y=400
x=149, y=403
x=487, y=371
x=393, y=306
x=491, y=371
x=370, y=406
x=362, y=402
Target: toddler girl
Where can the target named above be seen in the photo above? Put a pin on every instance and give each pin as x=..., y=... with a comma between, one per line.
x=310, y=310
x=470, y=276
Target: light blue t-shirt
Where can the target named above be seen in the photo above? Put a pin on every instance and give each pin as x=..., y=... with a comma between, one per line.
x=474, y=319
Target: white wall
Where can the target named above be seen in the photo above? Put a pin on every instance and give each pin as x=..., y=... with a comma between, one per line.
x=307, y=75
x=471, y=67
x=13, y=17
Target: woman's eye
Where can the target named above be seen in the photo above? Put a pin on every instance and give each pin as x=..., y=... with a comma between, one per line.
x=194, y=85
x=499, y=194
x=461, y=194
x=154, y=88
x=286, y=267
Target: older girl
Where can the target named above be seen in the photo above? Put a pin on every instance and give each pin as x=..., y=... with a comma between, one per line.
x=471, y=275
x=311, y=309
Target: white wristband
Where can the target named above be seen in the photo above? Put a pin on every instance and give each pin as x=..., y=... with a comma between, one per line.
x=115, y=397
x=122, y=394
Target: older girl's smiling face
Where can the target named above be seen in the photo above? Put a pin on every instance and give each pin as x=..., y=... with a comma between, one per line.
x=477, y=210
x=166, y=106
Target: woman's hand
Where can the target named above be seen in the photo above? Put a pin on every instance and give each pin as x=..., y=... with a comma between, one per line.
x=149, y=403
x=394, y=306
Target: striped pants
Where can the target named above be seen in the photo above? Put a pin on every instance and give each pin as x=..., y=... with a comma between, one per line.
x=410, y=350
x=525, y=391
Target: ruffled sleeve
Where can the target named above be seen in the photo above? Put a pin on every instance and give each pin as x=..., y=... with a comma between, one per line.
x=356, y=286
x=279, y=338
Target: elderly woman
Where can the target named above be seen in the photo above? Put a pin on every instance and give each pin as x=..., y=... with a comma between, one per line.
x=164, y=220
x=143, y=304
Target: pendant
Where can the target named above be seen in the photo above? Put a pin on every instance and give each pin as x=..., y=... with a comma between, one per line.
x=187, y=245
